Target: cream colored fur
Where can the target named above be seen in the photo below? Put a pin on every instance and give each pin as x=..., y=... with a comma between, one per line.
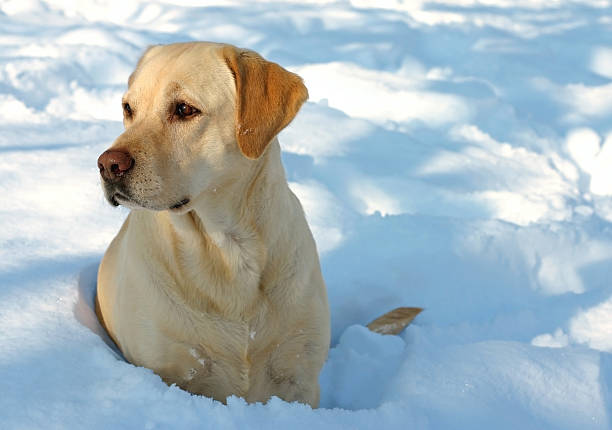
x=224, y=295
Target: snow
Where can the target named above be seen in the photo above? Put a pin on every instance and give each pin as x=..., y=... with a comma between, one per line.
x=454, y=155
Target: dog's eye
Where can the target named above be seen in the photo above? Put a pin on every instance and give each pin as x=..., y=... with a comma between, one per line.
x=127, y=110
x=184, y=111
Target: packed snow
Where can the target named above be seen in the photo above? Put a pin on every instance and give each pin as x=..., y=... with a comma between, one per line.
x=454, y=155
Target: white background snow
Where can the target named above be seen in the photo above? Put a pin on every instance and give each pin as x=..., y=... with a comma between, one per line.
x=454, y=155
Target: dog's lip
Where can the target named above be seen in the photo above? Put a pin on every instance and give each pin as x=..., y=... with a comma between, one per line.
x=180, y=204
x=118, y=196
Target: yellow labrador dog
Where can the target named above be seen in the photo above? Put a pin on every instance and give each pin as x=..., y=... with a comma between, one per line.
x=214, y=279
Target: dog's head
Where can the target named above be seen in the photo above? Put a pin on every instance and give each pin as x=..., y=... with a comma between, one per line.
x=195, y=115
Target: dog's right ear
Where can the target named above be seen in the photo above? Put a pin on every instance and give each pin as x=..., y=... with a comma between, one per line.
x=142, y=59
x=267, y=98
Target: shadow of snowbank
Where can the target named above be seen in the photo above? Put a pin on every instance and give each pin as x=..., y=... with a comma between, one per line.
x=84, y=308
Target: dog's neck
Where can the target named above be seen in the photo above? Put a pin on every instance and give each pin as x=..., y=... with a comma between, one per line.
x=231, y=228
x=240, y=210
x=248, y=231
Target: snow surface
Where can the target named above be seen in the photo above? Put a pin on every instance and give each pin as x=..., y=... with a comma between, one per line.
x=454, y=155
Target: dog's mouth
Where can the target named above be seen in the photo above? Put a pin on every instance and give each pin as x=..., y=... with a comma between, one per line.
x=118, y=198
x=179, y=204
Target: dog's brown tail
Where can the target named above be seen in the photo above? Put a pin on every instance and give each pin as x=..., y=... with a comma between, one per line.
x=395, y=321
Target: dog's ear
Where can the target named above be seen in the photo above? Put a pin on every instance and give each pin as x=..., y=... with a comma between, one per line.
x=267, y=98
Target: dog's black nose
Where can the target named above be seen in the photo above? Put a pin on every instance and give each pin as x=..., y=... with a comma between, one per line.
x=114, y=164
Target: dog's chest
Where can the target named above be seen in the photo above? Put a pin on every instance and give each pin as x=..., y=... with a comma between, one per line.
x=218, y=273
x=216, y=323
